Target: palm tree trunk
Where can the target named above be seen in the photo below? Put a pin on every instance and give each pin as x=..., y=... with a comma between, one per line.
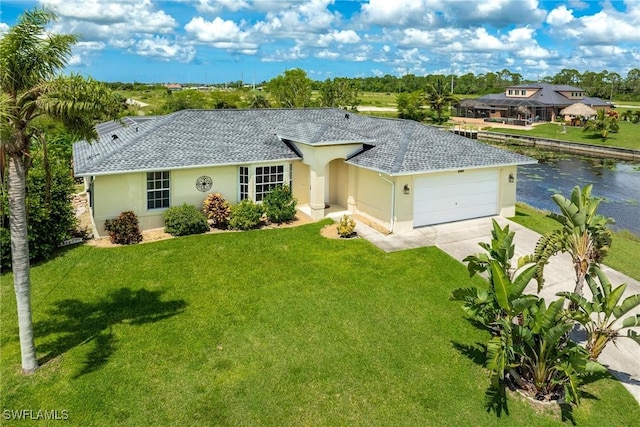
x=20, y=260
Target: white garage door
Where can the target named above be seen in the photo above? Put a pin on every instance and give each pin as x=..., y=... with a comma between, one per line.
x=455, y=196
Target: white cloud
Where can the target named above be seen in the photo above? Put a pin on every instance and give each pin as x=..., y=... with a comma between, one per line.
x=212, y=31
x=298, y=18
x=75, y=61
x=130, y=15
x=3, y=28
x=560, y=16
x=396, y=12
x=518, y=35
x=83, y=52
x=162, y=49
x=345, y=37
x=292, y=54
x=221, y=34
x=215, y=6
x=326, y=54
x=433, y=14
x=598, y=28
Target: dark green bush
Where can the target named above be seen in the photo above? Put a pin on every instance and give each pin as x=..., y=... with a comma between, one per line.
x=124, y=230
x=280, y=205
x=217, y=209
x=50, y=219
x=246, y=215
x=184, y=220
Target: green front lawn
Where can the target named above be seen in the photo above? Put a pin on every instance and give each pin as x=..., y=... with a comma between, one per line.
x=625, y=249
x=626, y=137
x=273, y=327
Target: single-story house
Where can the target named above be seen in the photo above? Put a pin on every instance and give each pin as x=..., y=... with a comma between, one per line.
x=399, y=173
x=526, y=103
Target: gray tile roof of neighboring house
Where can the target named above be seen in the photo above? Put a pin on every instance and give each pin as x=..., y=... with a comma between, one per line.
x=192, y=138
x=548, y=95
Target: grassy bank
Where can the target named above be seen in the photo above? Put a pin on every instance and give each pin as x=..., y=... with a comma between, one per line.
x=627, y=137
x=625, y=249
x=272, y=327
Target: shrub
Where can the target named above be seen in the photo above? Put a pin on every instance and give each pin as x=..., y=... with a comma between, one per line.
x=280, y=205
x=51, y=219
x=124, y=230
x=346, y=227
x=246, y=215
x=217, y=209
x=184, y=220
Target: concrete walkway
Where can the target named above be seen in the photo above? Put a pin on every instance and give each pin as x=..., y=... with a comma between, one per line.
x=460, y=239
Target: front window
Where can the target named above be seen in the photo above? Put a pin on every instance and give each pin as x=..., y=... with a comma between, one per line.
x=267, y=178
x=244, y=182
x=157, y=190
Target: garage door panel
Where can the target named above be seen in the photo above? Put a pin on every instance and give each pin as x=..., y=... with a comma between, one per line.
x=472, y=188
x=456, y=196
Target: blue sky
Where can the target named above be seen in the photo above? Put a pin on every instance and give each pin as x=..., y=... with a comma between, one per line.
x=212, y=41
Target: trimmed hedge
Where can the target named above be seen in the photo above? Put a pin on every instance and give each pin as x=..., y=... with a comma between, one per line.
x=184, y=220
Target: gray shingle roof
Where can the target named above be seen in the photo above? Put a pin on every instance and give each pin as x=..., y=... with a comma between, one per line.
x=548, y=95
x=192, y=138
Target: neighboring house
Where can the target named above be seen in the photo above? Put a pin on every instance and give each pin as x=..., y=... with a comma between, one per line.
x=526, y=103
x=173, y=86
x=398, y=173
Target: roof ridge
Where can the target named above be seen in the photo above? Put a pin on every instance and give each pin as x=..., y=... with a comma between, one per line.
x=403, y=147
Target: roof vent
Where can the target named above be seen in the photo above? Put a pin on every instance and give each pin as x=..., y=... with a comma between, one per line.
x=346, y=116
x=136, y=128
x=114, y=136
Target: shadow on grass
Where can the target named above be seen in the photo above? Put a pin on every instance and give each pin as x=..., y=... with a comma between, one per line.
x=495, y=397
x=476, y=353
x=74, y=322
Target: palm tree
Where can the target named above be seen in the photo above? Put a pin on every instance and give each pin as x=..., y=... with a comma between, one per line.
x=438, y=97
x=584, y=235
x=602, y=124
x=626, y=116
x=30, y=59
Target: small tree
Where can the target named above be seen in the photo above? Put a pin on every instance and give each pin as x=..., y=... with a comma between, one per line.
x=258, y=100
x=217, y=209
x=184, y=220
x=246, y=215
x=124, y=230
x=280, y=205
x=51, y=216
x=584, y=235
x=292, y=89
x=602, y=124
x=346, y=226
x=599, y=316
x=410, y=106
x=339, y=92
x=438, y=97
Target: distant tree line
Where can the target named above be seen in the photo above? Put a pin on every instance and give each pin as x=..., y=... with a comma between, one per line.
x=603, y=84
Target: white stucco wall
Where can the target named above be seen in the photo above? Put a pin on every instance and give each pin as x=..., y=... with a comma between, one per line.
x=114, y=194
x=373, y=196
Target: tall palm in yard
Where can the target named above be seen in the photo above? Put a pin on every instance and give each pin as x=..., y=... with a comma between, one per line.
x=30, y=59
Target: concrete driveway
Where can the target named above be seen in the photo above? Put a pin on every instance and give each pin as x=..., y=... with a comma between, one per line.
x=460, y=239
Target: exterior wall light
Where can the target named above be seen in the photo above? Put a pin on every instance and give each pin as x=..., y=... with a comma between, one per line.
x=407, y=190
x=511, y=178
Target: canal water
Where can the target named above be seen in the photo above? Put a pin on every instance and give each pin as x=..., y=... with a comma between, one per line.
x=616, y=182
